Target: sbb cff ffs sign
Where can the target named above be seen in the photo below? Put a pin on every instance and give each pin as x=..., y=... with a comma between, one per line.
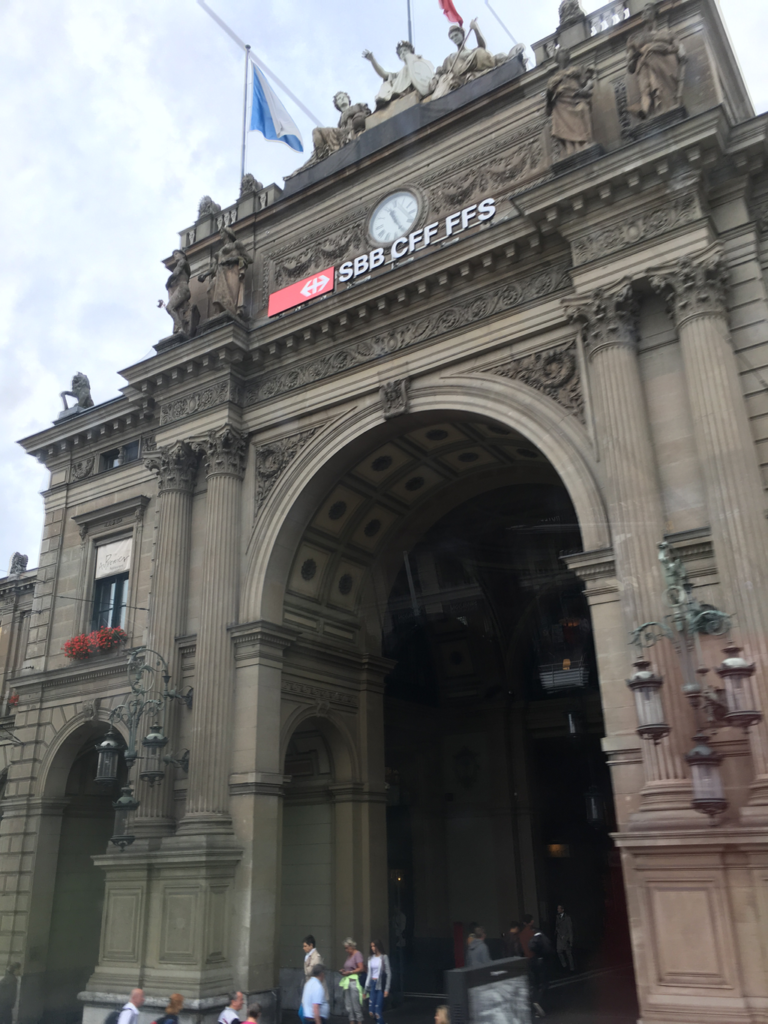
x=310, y=288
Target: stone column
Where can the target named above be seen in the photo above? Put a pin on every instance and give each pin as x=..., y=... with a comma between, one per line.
x=176, y=469
x=695, y=288
x=223, y=451
x=610, y=318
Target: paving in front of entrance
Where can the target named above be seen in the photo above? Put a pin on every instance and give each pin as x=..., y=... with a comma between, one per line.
x=593, y=997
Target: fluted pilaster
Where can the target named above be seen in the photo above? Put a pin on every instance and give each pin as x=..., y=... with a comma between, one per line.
x=223, y=452
x=696, y=293
x=610, y=319
x=176, y=469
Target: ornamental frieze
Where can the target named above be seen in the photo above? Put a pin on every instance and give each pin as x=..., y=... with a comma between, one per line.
x=554, y=372
x=441, y=321
x=348, y=700
x=198, y=401
x=272, y=458
x=639, y=227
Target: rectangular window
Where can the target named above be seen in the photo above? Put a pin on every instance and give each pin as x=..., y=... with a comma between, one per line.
x=120, y=456
x=110, y=592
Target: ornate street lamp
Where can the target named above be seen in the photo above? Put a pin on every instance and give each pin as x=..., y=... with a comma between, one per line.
x=142, y=662
x=733, y=705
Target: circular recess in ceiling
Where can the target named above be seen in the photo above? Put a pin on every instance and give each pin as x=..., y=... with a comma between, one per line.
x=372, y=528
x=383, y=462
x=308, y=569
x=437, y=435
x=526, y=453
x=495, y=428
x=469, y=457
x=345, y=584
x=337, y=510
x=414, y=483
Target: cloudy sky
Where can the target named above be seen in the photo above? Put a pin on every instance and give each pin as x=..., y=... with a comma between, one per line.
x=116, y=117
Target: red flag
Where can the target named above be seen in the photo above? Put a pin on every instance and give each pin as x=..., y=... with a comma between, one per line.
x=446, y=6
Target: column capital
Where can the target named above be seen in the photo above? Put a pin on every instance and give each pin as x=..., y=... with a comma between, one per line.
x=175, y=466
x=223, y=450
x=609, y=316
x=693, y=286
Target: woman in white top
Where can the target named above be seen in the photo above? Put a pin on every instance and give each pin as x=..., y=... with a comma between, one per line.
x=379, y=980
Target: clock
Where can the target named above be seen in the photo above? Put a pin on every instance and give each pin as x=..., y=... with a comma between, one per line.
x=394, y=217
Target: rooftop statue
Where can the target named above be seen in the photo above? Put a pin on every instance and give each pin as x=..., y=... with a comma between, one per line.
x=249, y=184
x=18, y=564
x=468, y=64
x=177, y=287
x=351, y=126
x=569, y=104
x=207, y=207
x=657, y=57
x=81, y=392
x=415, y=74
x=226, y=275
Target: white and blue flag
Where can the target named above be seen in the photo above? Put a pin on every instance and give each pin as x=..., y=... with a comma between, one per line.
x=269, y=116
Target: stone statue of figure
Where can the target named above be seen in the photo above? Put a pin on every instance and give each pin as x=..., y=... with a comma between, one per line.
x=207, y=208
x=18, y=564
x=177, y=287
x=416, y=73
x=351, y=126
x=226, y=276
x=249, y=184
x=81, y=392
x=569, y=104
x=468, y=64
x=657, y=57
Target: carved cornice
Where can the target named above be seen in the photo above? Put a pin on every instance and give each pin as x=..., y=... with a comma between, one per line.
x=175, y=466
x=693, y=286
x=473, y=309
x=223, y=451
x=120, y=513
x=220, y=393
x=609, y=317
x=271, y=458
x=639, y=227
x=553, y=371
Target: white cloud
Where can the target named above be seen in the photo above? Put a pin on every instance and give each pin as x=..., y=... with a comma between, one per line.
x=116, y=118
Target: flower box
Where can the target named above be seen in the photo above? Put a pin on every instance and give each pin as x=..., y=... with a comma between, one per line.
x=83, y=646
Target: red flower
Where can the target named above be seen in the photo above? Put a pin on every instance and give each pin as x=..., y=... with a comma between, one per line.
x=81, y=647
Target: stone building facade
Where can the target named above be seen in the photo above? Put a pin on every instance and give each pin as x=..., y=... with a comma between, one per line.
x=395, y=539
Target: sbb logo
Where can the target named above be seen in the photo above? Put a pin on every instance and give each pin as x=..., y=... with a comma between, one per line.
x=361, y=265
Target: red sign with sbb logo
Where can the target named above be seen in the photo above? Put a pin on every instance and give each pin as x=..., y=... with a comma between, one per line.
x=318, y=284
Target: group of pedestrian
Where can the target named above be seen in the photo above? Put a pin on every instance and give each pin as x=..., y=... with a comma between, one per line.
x=231, y=1014
x=315, y=1000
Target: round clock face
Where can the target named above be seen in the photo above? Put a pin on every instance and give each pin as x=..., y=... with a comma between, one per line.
x=394, y=217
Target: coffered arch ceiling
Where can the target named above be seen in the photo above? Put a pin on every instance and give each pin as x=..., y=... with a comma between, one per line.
x=352, y=549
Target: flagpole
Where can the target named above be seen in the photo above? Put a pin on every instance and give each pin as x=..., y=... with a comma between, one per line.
x=245, y=113
x=410, y=24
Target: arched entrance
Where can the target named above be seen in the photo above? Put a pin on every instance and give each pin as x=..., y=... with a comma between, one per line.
x=435, y=543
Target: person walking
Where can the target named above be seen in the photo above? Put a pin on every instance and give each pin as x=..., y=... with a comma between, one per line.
x=254, y=1012
x=540, y=948
x=311, y=956
x=478, y=953
x=564, y=937
x=526, y=934
x=314, y=1001
x=379, y=980
x=511, y=941
x=9, y=987
x=350, y=982
x=172, y=1010
x=130, y=1012
x=231, y=1013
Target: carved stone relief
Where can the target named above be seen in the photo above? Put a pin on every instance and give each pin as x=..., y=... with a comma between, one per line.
x=271, y=459
x=641, y=226
x=314, y=253
x=206, y=398
x=320, y=693
x=223, y=450
x=544, y=281
x=394, y=398
x=83, y=468
x=553, y=371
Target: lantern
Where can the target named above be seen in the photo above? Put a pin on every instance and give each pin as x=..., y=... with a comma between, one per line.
x=109, y=753
x=595, y=807
x=153, y=744
x=124, y=807
x=735, y=673
x=646, y=687
x=708, y=795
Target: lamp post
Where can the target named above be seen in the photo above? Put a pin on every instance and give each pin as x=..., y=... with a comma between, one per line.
x=143, y=664
x=734, y=704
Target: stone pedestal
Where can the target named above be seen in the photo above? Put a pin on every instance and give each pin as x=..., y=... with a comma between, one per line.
x=223, y=453
x=176, y=468
x=695, y=289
